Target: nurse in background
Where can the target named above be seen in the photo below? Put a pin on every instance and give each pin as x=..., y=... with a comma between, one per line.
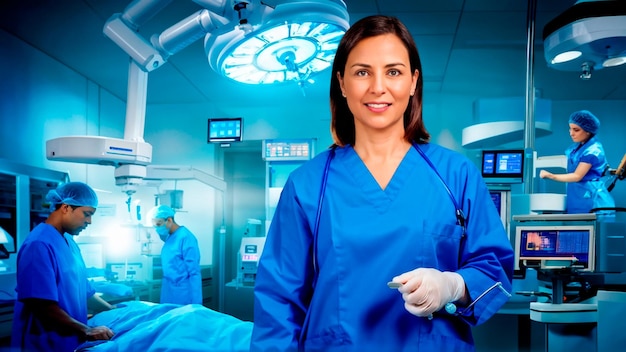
x=180, y=258
x=586, y=163
x=53, y=292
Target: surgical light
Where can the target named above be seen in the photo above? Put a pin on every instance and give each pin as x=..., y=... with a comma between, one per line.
x=286, y=52
x=614, y=61
x=588, y=36
x=247, y=41
x=566, y=56
x=296, y=40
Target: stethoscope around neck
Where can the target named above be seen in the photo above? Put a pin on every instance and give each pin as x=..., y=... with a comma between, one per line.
x=460, y=216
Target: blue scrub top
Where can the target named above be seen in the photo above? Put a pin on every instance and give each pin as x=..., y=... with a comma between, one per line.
x=180, y=258
x=366, y=237
x=50, y=267
x=590, y=192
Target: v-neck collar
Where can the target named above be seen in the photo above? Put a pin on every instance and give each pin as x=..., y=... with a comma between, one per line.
x=363, y=178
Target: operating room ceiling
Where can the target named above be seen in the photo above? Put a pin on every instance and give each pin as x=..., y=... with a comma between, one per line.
x=474, y=48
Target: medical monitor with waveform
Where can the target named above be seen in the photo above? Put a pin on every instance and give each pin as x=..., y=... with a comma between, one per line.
x=555, y=247
x=224, y=130
x=503, y=166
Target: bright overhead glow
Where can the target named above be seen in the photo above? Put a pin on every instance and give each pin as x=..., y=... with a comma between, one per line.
x=290, y=42
x=566, y=56
x=285, y=52
x=614, y=61
x=588, y=36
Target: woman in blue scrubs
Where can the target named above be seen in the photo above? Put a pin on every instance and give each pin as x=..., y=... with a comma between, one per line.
x=53, y=291
x=180, y=258
x=586, y=163
x=382, y=207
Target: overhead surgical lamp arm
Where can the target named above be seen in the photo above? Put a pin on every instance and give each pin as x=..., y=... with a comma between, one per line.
x=146, y=56
x=187, y=31
x=122, y=29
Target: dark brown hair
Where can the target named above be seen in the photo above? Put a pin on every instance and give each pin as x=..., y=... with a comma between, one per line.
x=342, y=122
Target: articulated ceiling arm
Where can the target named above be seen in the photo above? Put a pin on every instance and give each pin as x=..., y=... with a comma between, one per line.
x=146, y=56
x=187, y=31
x=122, y=29
x=309, y=32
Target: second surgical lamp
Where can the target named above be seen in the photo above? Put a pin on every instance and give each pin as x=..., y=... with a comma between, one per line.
x=588, y=36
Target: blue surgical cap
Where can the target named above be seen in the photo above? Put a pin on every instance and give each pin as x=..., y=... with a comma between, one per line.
x=586, y=120
x=162, y=212
x=73, y=193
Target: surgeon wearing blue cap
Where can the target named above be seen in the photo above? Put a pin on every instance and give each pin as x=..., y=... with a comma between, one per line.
x=586, y=162
x=180, y=259
x=53, y=292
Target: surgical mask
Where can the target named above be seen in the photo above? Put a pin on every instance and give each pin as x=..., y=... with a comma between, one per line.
x=163, y=232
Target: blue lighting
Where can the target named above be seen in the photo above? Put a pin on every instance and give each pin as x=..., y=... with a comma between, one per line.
x=285, y=52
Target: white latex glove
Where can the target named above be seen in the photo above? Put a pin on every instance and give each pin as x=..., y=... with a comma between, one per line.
x=427, y=290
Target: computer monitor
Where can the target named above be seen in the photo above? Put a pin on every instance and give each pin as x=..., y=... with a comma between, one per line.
x=555, y=246
x=224, y=130
x=288, y=149
x=93, y=255
x=503, y=166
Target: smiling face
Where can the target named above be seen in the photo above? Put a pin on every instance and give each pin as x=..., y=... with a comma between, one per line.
x=377, y=84
x=578, y=134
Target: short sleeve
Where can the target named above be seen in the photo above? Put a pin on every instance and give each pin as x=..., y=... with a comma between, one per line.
x=36, y=273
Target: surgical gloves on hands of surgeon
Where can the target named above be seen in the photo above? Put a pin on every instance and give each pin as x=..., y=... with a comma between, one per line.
x=427, y=290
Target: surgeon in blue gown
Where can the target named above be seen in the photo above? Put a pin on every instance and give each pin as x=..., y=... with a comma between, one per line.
x=372, y=210
x=180, y=259
x=53, y=292
x=586, y=162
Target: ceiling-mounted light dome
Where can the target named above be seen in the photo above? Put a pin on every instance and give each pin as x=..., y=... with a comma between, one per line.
x=294, y=41
x=596, y=29
x=566, y=56
x=614, y=61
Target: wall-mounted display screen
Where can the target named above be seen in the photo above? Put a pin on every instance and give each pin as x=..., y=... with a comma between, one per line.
x=222, y=130
x=503, y=166
x=287, y=149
